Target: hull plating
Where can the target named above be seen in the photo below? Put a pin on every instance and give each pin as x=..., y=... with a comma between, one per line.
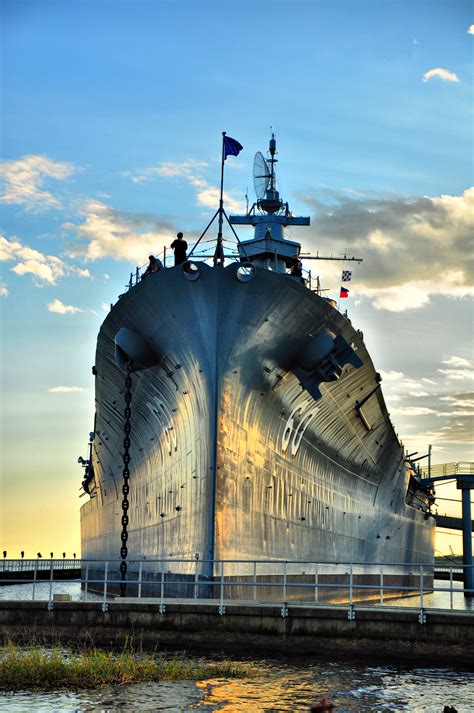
x=231, y=458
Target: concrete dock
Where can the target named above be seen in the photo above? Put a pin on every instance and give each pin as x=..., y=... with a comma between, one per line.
x=431, y=635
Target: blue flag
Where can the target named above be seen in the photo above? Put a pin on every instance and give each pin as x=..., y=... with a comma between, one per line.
x=231, y=147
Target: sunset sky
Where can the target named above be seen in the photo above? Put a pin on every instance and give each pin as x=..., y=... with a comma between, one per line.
x=111, y=121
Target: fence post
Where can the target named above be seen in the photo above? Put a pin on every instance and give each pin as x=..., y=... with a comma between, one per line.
x=140, y=567
x=255, y=580
x=196, y=575
x=350, y=613
x=51, y=575
x=381, y=584
x=106, y=573
x=284, y=580
x=86, y=583
x=422, y=616
x=316, y=583
x=34, y=580
x=221, y=605
x=162, y=589
x=451, y=587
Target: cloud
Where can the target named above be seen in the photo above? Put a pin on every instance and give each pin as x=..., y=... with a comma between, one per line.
x=461, y=400
x=458, y=369
x=187, y=169
x=443, y=74
x=45, y=268
x=418, y=422
x=413, y=295
x=470, y=30
x=210, y=197
x=59, y=307
x=106, y=232
x=3, y=290
x=404, y=242
x=24, y=177
x=65, y=389
x=458, y=361
x=412, y=411
x=206, y=194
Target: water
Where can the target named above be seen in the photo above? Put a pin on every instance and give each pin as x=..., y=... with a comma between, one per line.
x=282, y=685
x=279, y=686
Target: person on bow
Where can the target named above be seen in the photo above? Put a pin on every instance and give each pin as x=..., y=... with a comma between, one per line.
x=180, y=247
x=153, y=266
x=296, y=269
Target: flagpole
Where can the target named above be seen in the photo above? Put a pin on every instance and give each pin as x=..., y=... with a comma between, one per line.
x=218, y=255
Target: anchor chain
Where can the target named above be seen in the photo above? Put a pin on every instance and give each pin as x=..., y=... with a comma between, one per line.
x=126, y=475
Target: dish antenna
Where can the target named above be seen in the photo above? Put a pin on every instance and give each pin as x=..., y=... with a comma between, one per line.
x=261, y=175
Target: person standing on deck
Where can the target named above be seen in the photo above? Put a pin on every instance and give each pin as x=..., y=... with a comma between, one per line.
x=179, y=246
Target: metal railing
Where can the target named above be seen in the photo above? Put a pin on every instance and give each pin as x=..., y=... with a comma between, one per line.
x=455, y=468
x=40, y=565
x=164, y=257
x=257, y=582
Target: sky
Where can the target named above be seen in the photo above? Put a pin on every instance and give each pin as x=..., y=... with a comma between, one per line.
x=111, y=121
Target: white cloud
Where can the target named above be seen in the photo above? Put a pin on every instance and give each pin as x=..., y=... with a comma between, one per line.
x=412, y=247
x=413, y=295
x=412, y=411
x=444, y=74
x=462, y=400
x=65, y=389
x=458, y=369
x=458, y=361
x=192, y=171
x=187, y=169
x=120, y=235
x=470, y=30
x=59, y=307
x=3, y=290
x=396, y=383
x=210, y=197
x=24, y=177
x=45, y=268
x=458, y=374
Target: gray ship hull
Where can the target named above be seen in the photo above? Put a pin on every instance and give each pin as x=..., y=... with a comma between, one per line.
x=232, y=457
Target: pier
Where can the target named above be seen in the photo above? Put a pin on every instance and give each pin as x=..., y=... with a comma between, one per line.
x=21, y=571
x=246, y=627
x=286, y=607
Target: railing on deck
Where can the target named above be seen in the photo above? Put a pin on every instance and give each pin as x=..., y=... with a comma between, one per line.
x=165, y=258
x=253, y=581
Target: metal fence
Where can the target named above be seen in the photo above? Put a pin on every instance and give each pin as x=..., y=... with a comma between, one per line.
x=250, y=582
x=445, y=469
x=38, y=565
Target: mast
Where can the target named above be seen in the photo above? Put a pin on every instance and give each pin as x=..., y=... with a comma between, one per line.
x=219, y=251
x=269, y=216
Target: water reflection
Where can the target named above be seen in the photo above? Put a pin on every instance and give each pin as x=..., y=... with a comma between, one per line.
x=350, y=687
x=280, y=686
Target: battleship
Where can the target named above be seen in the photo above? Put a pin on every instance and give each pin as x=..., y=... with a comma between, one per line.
x=239, y=418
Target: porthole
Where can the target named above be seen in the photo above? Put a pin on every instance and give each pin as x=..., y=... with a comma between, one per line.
x=245, y=272
x=190, y=271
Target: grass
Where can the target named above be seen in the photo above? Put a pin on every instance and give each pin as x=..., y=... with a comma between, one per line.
x=46, y=669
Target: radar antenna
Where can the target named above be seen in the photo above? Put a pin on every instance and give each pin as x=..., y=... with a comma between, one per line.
x=264, y=180
x=261, y=175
